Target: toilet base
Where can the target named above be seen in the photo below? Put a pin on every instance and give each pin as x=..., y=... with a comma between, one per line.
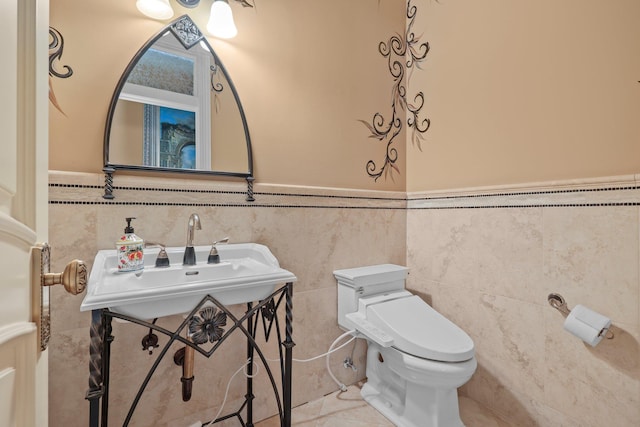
x=407, y=403
x=386, y=408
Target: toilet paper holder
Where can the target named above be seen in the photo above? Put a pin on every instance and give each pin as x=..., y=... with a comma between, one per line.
x=557, y=301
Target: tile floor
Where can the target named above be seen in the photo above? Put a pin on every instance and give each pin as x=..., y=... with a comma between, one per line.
x=349, y=410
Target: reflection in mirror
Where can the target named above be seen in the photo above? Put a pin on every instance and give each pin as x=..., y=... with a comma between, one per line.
x=175, y=109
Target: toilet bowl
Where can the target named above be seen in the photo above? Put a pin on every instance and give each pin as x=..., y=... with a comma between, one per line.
x=416, y=358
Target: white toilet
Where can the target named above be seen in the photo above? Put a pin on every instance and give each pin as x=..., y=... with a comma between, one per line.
x=416, y=358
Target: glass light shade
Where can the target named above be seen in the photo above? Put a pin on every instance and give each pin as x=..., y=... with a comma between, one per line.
x=156, y=9
x=221, y=20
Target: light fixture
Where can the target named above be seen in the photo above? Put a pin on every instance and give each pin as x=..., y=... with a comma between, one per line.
x=156, y=9
x=189, y=3
x=221, y=20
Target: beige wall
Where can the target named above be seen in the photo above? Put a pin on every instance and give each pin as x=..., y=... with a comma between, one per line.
x=228, y=146
x=306, y=72
x=527, y=91
x=517, y=93
x=129, y=116
x=488, y=260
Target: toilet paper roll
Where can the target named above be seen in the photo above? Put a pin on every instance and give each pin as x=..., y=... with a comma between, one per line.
x=587, y=325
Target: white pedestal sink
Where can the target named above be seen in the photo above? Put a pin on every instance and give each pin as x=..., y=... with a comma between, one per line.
x=246, y=272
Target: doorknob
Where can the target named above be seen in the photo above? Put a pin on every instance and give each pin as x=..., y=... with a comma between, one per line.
x=73, y=278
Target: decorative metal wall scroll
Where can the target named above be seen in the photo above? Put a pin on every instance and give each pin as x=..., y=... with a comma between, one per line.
x=56, y=45
x=216, y=85
x=403, y=53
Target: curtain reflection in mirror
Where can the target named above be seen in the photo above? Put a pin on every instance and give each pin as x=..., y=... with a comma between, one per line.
x=165, y=71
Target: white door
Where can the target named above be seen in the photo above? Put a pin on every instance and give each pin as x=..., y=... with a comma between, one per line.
x=24, y=26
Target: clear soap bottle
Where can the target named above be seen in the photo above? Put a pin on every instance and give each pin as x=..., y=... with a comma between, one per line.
x=130, y=250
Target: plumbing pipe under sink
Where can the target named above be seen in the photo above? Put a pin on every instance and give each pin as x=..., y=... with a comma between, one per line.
x=184, y=357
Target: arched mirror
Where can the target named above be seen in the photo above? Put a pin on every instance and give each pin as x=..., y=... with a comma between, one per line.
x=175, y=109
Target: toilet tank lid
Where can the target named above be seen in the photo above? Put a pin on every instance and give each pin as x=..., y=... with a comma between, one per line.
x=371, y=275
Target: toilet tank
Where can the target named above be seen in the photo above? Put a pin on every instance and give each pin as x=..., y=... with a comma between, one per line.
x=354, y=283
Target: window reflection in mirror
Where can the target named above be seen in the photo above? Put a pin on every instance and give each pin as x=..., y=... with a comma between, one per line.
x=160, y=141
x=177, y=139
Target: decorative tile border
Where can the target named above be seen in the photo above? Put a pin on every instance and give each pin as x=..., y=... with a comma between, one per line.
x=614, y=191
x=87, y=189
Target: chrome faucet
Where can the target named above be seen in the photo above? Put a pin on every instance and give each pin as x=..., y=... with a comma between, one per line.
x=189, y=252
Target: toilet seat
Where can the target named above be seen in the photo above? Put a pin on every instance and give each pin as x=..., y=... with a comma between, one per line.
x=419, y=330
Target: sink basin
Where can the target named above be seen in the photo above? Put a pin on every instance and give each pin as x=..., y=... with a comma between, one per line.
x=246, y=272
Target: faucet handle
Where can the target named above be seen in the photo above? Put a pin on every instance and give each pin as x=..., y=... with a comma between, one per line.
x=225, y=240
x=162, y=260
x=214, y=257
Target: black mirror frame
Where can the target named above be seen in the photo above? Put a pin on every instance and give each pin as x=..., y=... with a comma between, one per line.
x=185, y=30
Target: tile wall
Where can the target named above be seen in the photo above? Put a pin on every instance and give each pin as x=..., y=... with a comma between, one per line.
x=485, y=258
x=488, y=258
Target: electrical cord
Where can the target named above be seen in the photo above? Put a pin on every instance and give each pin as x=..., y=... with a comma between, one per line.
x=342, y=386
x=323, y=354
x=327, y=354
x=331, y=349
x=226, y=393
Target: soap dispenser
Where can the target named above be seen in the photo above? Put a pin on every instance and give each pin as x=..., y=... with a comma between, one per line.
x=130, y=250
